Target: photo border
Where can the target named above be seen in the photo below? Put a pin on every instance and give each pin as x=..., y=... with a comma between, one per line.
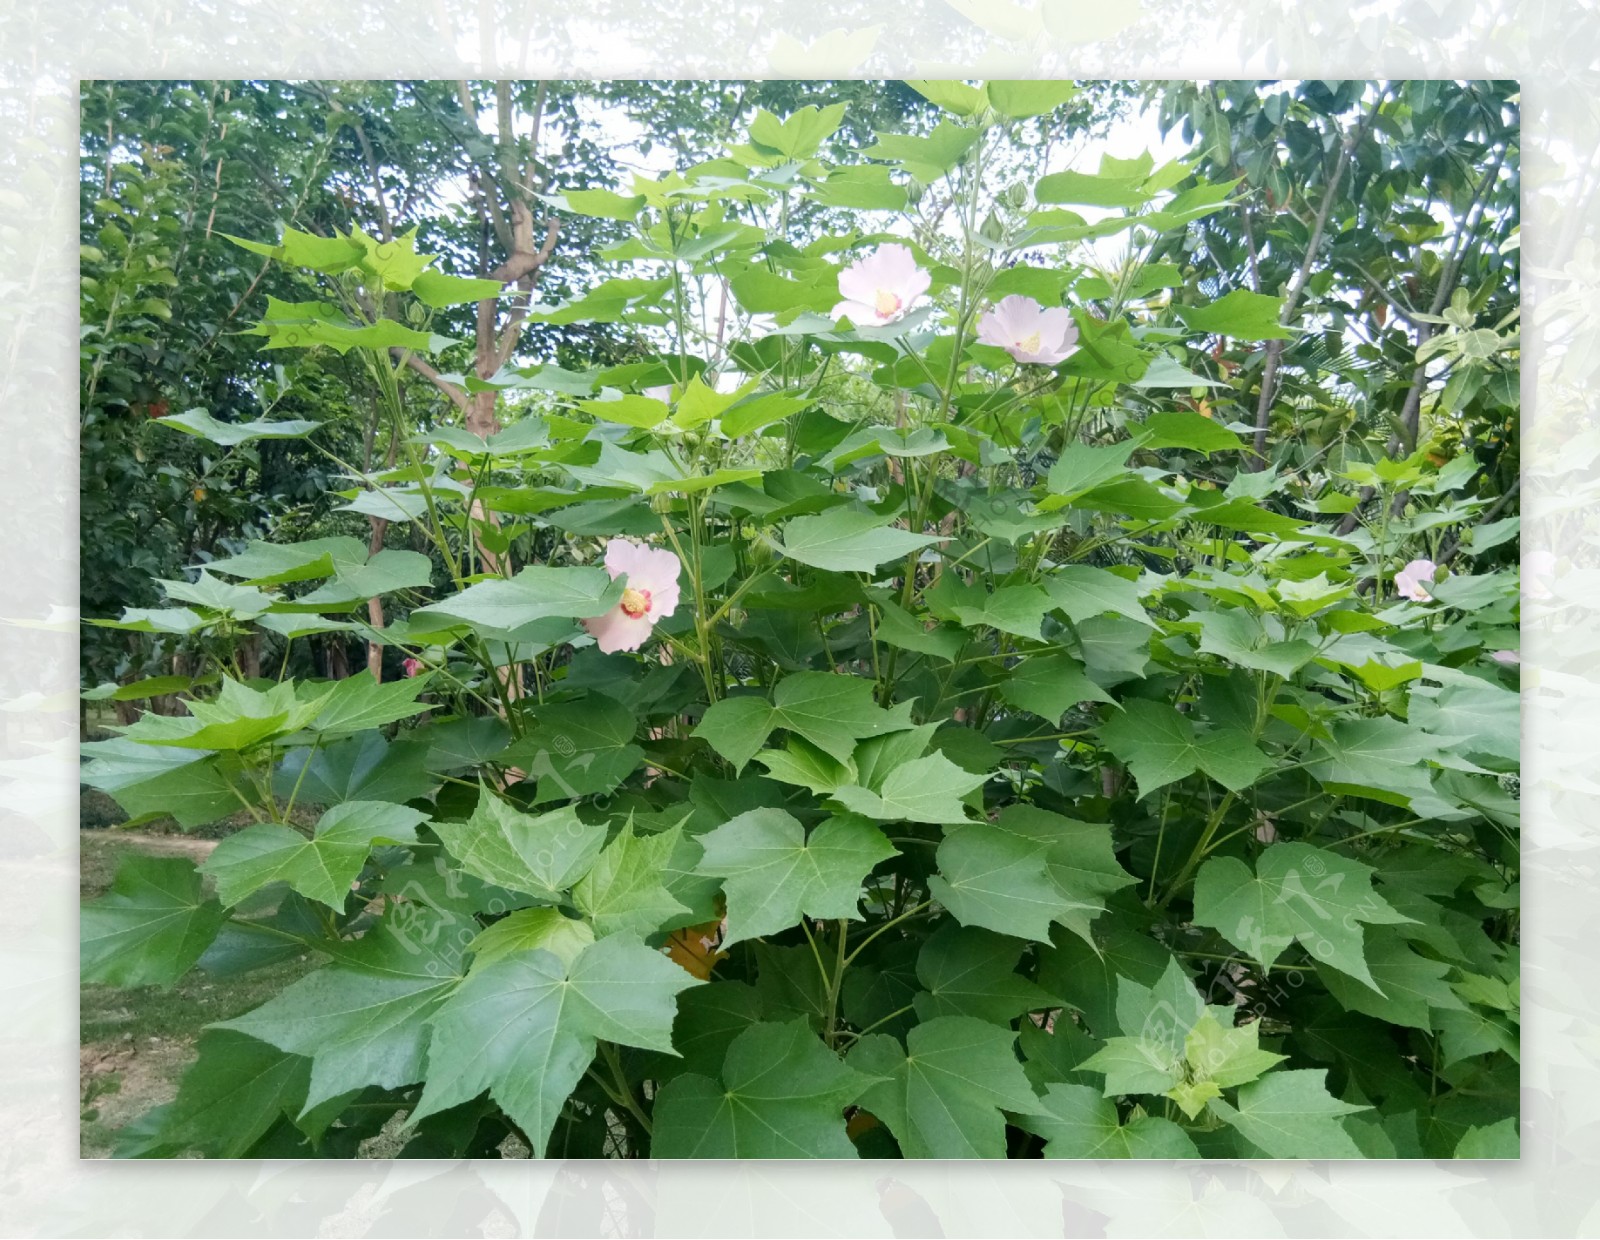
x=45, y=49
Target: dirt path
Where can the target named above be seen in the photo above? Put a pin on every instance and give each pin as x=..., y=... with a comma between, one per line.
x=100, y=852
x=157, y=845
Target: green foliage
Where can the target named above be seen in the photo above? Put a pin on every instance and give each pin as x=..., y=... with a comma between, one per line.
x=151, y=927
x=836, y=741
x=781, y=1094
x=525, y=1027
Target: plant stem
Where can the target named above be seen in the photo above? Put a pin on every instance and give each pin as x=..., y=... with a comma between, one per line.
x=832, y=1021
x=624, y=1095
x=893, y=921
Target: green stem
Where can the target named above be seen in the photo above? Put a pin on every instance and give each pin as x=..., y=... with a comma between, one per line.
x=884, y=1020
x=624, y=1095
x=294, y=792
x=1199, y=850
x=892, y=922
x=835, y=983
x=816, y=952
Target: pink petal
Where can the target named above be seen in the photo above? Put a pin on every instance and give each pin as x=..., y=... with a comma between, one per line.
x=623, y=555
x=856, y=284
x=888, y=269
x=1408, y=582
x=860, y=313
x=653, y=570
x=1019, y=315
x=990, y=330
x=656, y=571
x=915, y=285
x=1058, y=328
x=892, y=264
x=617, y=630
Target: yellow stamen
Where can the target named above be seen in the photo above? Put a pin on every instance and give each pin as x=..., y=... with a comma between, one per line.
x=1029, y=345
x=635, y=602
x=886, y=304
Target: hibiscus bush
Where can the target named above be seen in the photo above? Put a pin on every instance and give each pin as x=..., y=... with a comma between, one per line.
x=896, y=714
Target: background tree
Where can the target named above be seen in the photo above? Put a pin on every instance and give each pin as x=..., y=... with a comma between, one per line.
x=1369, y=205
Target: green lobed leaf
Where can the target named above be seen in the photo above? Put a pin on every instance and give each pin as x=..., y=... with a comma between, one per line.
x=848, y=540
x=1290, y=1114
x=434, y=288
x=364, y=767
x=525, y=1027
x=321, y=867
x=1252, y=641
x=532, y=929
x=1005, y=881
x=542, y=855
x=151, y=927
x=239, y=717
x=1082, y=592
x=357, y=1028
x=969, y=971
x=1297, y=893
x=625, y=891
x=358, y=703
x=925, y=790
x=1380, y=757
x=577, y=749
x=1161, y=746
x=1406, y=987
x=1076, y=1122
x=926, y=158
x=944, y=1094
x=832, y=712
x=1180, y=428
x=798, y=135
x=1497, y=1140
x=1022, y=99
x=193, y=790
x=200, y=423
x=1240, y=315
x=782, y=1094
x=773, y=873
x=1050, y=685
x=533, y=594
x=236, y=1090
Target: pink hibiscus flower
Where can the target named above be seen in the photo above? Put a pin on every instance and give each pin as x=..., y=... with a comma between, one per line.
x=880, y=288
x=1029, y=332
x=651, y=594
x=1413, y=580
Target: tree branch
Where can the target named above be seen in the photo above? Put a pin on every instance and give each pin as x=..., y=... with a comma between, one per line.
x=519, y=309
x=488, y=204
x=457, y=397
x=1297, y=284
x=384, y=224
